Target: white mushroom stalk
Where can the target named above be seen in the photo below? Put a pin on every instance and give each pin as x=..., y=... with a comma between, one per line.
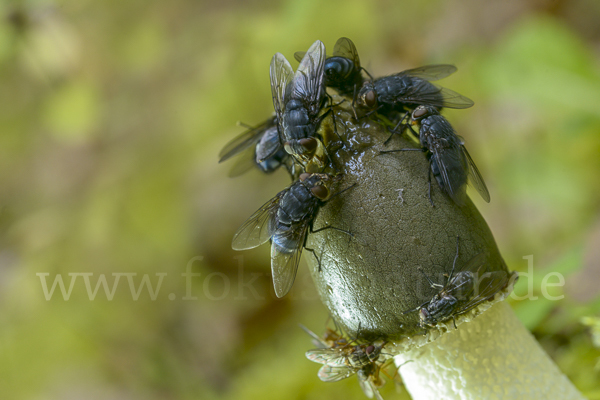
x=492, y=356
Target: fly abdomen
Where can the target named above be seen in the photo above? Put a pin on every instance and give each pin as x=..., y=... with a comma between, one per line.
x=283, y=241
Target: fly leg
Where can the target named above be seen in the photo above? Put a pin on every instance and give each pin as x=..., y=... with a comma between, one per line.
x=312, y=230
x=455, y=258
x=312, y=250
x=332, y=227
x=316, y=257
x=371, y=112
x=353, y=103
x=423, y=150
x=431, y=283
x=331, y=105
x=404, y=126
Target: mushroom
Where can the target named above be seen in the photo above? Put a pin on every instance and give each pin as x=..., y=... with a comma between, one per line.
x=371, y=281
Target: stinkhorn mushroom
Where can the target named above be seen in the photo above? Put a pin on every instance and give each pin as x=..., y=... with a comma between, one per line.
x=371, y=281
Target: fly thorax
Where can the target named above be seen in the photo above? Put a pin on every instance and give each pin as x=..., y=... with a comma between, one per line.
x=298, y=204
x=443, y=308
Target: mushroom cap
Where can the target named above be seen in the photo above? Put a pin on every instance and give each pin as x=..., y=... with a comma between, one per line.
x=370, y=280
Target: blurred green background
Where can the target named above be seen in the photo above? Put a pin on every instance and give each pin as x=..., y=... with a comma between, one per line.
x=112, y=114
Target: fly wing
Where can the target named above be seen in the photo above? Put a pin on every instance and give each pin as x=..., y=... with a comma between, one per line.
x=463, y=285
x=425, y=92
x=327, y=373
x=244, y=162
x=307, y=84
x=452, y=167
x=366, y=385
x=260, y=226
x=474, y=264
x=281, y=74
x=475, y=177
x=487, y=283
x=335, y=357
x=369, y=389
x=246, y=139
x=299, y=55
x=286, y=249
x=344, y=47
x=378, y=395
x=431, y=72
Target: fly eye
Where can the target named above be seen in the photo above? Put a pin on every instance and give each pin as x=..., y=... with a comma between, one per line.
x=304, y=176
x=370, y=349
x=419, y=112
x=320, y=192
x=309, y=144
x=371, y=98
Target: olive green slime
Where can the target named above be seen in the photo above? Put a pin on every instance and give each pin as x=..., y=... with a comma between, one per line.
x=369, y=280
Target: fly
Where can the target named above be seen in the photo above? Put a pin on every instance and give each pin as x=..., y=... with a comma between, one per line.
x=449, y=160
x=342, y=359
x=257, y=147
x=342, y=70
x=298, y=99
x=286, y=220
x=466, y=287
x=408, y=89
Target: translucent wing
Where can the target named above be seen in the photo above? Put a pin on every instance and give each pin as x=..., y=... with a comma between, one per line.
x=488, y=283
x=452, y=167
x=328, y=373
x=475, y=177
x=307, y=83
x=243, y=163
x=454, y=100
x=335, y=357
x=299, y=55
x=377, y=394
x=431, y=72
x=246, y=139
x=344, y=47
x=474, y=264
x=281, y=74
x=428, y=93
x=286, y=249
x=369, y=389
x=260, y=226
x=366, y=386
